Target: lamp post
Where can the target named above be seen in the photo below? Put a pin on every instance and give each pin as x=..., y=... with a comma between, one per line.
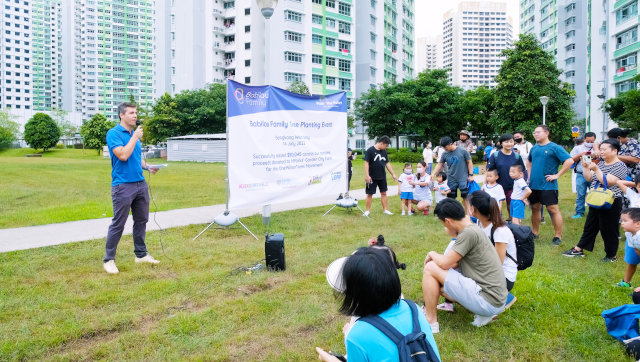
x=267, y=7
x=544, y=100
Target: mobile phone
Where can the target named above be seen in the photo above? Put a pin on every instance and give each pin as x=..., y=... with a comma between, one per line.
x=338, y=356
x=586, y=159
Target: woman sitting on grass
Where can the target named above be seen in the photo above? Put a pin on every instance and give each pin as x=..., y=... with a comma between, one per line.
x=370, y=286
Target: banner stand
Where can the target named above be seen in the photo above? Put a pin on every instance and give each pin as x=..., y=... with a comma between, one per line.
x=227, y=218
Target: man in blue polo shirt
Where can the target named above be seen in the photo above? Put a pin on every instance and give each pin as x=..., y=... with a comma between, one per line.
x=129, y=190
x=543, y=161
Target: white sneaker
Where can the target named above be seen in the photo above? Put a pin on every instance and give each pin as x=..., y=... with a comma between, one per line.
x=387, y=212
x=410, y=213
x=480, y=320
x=110, y=267
x=403, y=213
x=435, y=327
x=147, y=259
x=366, y=213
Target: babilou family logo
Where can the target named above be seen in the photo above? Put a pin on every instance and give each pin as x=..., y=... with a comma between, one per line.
x=239, y=94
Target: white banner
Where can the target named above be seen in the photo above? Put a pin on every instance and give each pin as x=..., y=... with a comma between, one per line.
x=284, y=147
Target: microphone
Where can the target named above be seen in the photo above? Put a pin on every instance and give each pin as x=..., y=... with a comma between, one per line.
x=137, y=123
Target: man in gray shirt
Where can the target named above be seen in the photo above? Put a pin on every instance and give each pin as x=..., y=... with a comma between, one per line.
x=460, y=169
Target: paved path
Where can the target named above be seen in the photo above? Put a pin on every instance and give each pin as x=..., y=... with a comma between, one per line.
x=67, y=232
x=54, y=234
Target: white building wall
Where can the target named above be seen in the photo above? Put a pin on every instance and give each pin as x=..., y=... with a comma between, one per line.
x=16, y=85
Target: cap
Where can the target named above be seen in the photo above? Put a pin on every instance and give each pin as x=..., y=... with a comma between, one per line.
x=465, y=132
x=334, y=274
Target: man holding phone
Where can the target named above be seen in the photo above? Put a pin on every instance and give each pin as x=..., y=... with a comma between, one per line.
x=583, y=152
x=129, y=190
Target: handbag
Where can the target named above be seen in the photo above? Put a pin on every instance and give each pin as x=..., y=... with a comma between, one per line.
x=600, y=197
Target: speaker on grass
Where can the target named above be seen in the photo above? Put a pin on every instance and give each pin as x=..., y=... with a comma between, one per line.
x=274, y=252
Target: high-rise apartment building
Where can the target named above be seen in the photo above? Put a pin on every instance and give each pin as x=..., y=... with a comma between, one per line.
x=429, y=53
x=110, y=45
x=473, y=36
x=31, y=60
x=563, y=29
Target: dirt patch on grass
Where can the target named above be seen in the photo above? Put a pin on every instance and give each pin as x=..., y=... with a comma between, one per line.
x=250, y=289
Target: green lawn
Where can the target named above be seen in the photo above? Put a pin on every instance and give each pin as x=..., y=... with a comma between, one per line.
x=67, y=185
x=57, y=303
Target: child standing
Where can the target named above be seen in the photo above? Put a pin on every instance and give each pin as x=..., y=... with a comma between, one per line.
x=521, y=192
x=405, y=188
x=630, y=257
x=440, y=186
x=493, y=188
x=630, y=222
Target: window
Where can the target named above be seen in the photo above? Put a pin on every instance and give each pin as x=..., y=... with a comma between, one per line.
x=319, y=2
x=372, y=54
x=331, y=23
x=292, y=36
x=626, y=63
x=316, y=59
x=344, y=46
x=316, y=19
x=570, y=34
x=292, y=57
x=344, y=9
x=247, y=80
x=570, y=74
x=620, y=87
x=330, y=61
x=345, y=84
x=247, y=28
x=316, y=79
x=331, y=80
x=360, y=144
x=372, y=72
x=292, y=16
x=626, y=38
x=373, y=37
x=569, y=47
x=330, y=3
x=627, y=12
x=316, y=39
x=571, y=20
x=344, y=65
x=247, y=45
x=331, y=42
x=570, y=60
x=292, y=77
x=344, y=28
x=247, y=11
x=247, y=62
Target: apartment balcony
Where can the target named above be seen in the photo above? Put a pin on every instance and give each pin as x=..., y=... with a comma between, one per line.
x=229, y=63
x=625, y=73
x=229, y=46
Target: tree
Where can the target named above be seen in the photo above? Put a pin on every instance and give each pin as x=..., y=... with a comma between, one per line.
x=527, y=73
x=41, y=131
x=476, y=109
x=95, y=130
x=427, y=106
x=8, y=129
x=625, y=108
x=67, y=129
x=299, y=87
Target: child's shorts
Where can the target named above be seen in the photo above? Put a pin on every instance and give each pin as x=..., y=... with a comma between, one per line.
x=517, y=209
x=406, y=195
x=630, y=255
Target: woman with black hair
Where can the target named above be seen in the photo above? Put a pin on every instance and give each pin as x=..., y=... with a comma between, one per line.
x=629, y=152
x=370, y=285
x=604, y=221
x=502, y=161
x=486, y=210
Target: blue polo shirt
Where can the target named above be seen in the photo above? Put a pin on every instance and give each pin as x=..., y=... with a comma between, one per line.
x=124, y=171
x=545, y=160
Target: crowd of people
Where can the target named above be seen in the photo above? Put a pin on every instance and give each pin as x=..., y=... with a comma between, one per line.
x=479, y=267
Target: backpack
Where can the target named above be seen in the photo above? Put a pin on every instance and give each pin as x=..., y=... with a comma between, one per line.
x=412, y=347
x=525, y=245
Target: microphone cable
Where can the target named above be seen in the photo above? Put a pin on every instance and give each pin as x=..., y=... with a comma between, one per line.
x=155, y=211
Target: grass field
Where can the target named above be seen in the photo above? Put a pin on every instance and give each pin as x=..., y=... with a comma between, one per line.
x=57, y=303
x=68, y=185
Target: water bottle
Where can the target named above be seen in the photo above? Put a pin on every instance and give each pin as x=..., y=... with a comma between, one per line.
x=266, y=215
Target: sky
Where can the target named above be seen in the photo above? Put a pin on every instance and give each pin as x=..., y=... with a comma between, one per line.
x=428, y=19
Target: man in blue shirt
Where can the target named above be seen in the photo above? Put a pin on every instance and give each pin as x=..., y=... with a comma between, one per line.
x=129, y=191
x=543, y=161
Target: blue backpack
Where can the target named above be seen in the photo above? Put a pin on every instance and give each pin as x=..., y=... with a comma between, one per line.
x=412, y=347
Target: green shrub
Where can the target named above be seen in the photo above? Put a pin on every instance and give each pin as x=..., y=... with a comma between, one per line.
x=60, y=146
x=405, y=155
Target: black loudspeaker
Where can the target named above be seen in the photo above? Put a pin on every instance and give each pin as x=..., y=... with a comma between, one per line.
x=274, y=252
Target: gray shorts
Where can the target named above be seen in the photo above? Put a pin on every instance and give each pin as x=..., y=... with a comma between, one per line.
x=467, y=292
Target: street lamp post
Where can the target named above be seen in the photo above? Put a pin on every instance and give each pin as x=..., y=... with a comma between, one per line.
x=544, y=100
x=267, y=7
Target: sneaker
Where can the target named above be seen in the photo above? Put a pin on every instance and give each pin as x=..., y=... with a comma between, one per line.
x=447, y=307
x=480, y=320
x=147, y=259
x=573, y=252
x=542, y=221
x=606, y=259
x=403, y=213
x=339, y=197
x=110, y=267
x=623, y=284
x=387, y=212
x=510, y=300
x=577, y=216
x=556, y=241
x=410, y=213
x=435, y=327
x=366, y=213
